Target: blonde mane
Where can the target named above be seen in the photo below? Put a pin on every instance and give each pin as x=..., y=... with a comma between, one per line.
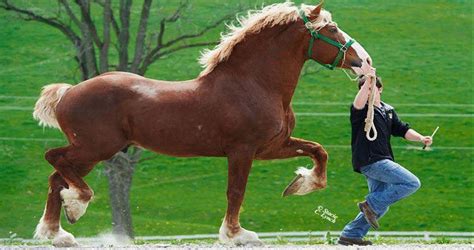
x=254, y=22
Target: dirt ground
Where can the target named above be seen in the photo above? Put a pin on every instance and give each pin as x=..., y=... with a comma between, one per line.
x=289, y=246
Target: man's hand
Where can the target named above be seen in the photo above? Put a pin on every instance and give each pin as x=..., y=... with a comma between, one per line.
x=368, y=70
x=412, y=135
x=363, y=95
x=427, y=140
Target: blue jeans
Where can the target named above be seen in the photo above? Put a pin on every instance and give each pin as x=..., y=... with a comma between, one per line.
x=388, y=183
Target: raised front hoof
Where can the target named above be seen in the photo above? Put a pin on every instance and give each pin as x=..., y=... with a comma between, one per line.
x=242, y=238
x=64, y=239
x=304, y=182
x=73, y=206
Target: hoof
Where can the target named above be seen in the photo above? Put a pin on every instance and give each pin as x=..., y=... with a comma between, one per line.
x=242, y=238
x=60, y=237
x=73, y=206
x=64, y=239
x=69, y=219
x=305, y=182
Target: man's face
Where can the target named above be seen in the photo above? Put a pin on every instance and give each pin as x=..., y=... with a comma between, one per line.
x=378, y=93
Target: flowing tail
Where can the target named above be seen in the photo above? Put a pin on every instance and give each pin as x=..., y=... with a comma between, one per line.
x=45, y=107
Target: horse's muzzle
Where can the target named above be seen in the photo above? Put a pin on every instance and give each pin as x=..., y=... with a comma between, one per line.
x=356, y=63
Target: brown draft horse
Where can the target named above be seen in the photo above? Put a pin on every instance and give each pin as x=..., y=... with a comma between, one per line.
x=239, y=107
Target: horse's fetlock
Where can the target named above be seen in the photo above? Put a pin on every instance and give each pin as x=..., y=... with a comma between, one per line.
x=322, y=154
x=233, y=229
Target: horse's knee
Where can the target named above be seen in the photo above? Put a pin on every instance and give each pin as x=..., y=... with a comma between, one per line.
x=52, y=156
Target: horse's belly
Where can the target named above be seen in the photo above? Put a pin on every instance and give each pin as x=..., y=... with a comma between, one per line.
x=178, y=138
x=179, y=148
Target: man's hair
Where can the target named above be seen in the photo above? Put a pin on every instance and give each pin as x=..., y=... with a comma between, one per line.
x=378, y=83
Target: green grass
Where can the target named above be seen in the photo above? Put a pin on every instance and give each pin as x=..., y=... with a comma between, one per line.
x=422, y=49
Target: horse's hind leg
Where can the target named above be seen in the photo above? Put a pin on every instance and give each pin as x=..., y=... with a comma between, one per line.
x=70, y=164
x=49, y=225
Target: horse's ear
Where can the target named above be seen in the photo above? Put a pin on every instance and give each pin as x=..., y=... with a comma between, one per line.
x=318, y=8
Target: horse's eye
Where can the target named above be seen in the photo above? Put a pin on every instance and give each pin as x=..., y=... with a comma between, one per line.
x=333, y=30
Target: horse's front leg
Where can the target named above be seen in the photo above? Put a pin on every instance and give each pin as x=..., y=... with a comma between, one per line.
x=239, y=162
x=307, y=180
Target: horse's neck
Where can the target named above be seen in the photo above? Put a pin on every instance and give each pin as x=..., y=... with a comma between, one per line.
x=273, y=59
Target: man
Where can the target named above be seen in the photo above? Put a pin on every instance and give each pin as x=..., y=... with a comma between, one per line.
x=388, y=181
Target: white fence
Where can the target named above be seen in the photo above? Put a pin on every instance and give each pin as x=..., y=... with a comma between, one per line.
x=322, y=235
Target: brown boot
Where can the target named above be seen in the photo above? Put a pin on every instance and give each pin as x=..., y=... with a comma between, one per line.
x=353, y=241
x=369, y=214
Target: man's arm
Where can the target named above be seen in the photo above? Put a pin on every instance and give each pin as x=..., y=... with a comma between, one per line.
x=400, y=128
x=412, y=135
x=362, y=96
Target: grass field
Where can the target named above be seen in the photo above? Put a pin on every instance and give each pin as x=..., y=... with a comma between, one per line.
x=422, y=49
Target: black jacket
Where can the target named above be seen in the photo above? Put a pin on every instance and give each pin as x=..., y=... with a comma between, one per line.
x=387, y=123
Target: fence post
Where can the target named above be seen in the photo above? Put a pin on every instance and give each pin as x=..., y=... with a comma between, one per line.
x=426, y=236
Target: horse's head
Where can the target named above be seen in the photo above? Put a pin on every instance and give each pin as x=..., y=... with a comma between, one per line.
x=329, y=45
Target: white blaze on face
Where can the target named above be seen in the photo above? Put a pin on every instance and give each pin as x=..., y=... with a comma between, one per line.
x=362, y=54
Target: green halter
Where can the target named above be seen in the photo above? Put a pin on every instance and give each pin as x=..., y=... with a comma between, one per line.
x=316, y=35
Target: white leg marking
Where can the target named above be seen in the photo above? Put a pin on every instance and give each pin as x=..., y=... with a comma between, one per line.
x=43, y=231
x=61, y=238
x=73, y=206
x=242, y=237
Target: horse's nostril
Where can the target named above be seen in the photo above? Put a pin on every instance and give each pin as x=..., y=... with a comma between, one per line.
x=356, y=63
x=369, y=61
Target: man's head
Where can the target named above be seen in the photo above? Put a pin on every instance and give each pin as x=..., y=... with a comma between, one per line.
x=378, y=83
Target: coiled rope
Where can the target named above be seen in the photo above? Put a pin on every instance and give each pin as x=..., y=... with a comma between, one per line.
x=369, y=120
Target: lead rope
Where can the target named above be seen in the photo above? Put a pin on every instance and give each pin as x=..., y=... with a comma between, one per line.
x=369, y=120
x=351, y=78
